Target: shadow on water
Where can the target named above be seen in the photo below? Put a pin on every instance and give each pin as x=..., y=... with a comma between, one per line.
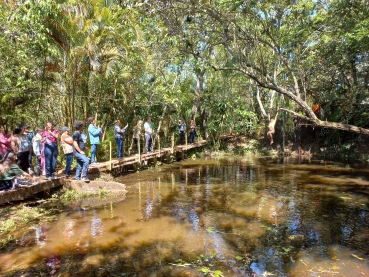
x=224, y=217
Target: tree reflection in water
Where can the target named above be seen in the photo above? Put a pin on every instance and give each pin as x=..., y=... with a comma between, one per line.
x=244, y=217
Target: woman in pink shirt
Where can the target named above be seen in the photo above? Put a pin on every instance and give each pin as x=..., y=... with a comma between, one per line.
x=5, y=141
x=50, y=137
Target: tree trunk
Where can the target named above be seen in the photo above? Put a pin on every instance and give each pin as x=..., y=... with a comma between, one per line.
x=261, y=106
x=198, y=92
x=159, y=125
x=298, y=135
x=283, y=128
x=204, y=119
x=317, y=139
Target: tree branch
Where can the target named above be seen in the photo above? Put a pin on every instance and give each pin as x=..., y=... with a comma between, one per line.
x=331, y=125
x=297, y=115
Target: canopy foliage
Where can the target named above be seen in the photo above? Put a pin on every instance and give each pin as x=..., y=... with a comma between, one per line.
x=215, y=61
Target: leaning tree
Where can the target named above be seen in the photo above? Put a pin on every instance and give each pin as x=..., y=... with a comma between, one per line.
x=274, y=44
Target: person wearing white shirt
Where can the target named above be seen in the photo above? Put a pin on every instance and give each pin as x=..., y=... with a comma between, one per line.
x=148, y=135
x=181, y=131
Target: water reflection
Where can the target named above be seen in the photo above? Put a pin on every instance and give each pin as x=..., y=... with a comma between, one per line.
x=68, y=231
x=96, y=225
x=244, y=217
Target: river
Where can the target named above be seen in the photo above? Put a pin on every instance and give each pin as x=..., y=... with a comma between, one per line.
x=242, y=216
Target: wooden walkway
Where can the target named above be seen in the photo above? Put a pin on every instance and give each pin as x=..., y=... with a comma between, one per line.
x=43, y=185
x=176, y=152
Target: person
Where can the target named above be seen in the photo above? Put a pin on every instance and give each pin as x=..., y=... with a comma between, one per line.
x=14, y=144
x=79, y=145
x=5, y=142
x=192, y=133
x=137, y=134
x=50, y=136
x=43, y=161
x=119, y=138
x=29, y=136
x=94, y=133
x=37, y=149
x=272, y=128
x=181, y=131
x=20, y=147
x=148, y=135
x=67, y=144
x=9, y=170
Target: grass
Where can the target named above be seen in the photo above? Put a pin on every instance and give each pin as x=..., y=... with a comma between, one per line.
x=16, y=217
x=105, y=177
x=71, y=195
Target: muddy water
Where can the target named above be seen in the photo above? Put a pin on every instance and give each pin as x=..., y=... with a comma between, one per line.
x=227, y=217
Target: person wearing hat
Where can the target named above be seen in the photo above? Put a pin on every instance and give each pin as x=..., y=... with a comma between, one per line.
x=67, y=144
x=94, y=132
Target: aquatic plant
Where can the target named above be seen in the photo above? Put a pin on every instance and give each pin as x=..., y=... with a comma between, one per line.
x=208, y=272
x=72, y=195
x=17, y=217
x=105, y=177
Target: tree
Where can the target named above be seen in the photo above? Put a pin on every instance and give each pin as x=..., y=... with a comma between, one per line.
x=263, y=43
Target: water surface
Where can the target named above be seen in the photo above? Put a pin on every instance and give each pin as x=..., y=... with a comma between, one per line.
x=231, y=217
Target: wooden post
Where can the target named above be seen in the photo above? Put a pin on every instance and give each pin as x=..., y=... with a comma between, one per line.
x=173, y=181
x=139, y=199
x=139, y=149
x=159, y=145
x=110, y=156
x=172, y=143
x=186, y=135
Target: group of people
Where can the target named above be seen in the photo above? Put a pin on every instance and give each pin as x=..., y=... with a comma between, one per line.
x=18, y=149
x=182, y=131
x=149, y=135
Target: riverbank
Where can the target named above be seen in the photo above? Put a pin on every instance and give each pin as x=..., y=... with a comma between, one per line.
x=354, y=150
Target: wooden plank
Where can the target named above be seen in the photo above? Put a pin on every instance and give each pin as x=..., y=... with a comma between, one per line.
x=25, y=192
